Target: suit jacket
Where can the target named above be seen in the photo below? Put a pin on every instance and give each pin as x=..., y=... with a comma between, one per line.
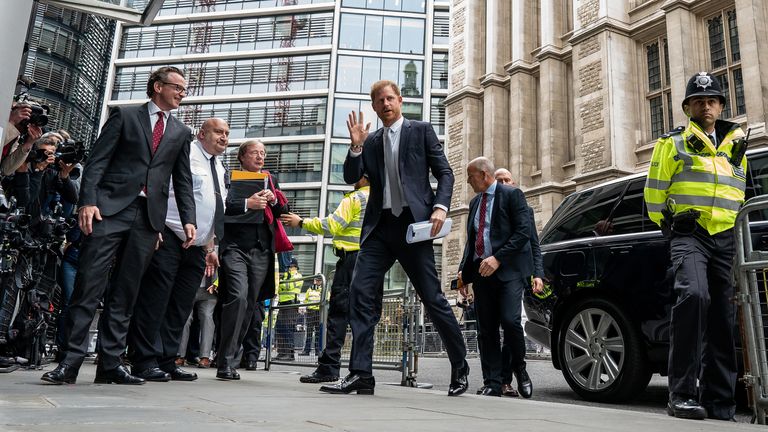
x=420, y=152
x=242, y=228
x=510, y=236
x=121, y=164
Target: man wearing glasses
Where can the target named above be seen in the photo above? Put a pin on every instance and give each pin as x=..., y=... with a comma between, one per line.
x=122, y=208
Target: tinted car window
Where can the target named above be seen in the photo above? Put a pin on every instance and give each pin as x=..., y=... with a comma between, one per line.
x=757, y=182
x=584, y=214
x=630, y=215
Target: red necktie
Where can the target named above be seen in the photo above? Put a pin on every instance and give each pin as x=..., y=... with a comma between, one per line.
x=157, y=132
x=479, y=244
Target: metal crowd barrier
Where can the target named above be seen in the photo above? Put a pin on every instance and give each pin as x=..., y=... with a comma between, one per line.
x=751, y=269
x=395, y=343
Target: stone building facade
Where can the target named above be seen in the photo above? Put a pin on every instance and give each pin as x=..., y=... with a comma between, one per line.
x=569, y=93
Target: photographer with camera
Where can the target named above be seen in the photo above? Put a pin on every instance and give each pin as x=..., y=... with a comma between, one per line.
x=23, y=129
x=41, y=176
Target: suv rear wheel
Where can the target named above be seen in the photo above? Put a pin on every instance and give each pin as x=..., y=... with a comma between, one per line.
x=601, y=353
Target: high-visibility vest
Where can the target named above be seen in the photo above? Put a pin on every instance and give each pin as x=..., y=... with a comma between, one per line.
x=289, y=288
x=313, y=295
x=345, y=223
x=688, y=172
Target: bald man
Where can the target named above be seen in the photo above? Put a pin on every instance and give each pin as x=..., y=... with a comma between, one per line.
x=170, y=284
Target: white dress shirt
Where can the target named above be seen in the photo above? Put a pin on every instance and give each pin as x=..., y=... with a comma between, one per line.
x=153, y=110
x=205, y=195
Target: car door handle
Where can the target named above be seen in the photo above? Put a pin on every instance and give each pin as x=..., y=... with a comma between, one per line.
x=621, y=249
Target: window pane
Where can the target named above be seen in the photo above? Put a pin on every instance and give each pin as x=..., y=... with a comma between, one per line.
x=412, y=111
x=373, y=25
x=342, y=109
x=666, y=63
x=733, y=34
x=303, y=202
x=354, y=3
x=410, y=83
x=440, y=71
x=670, y=119
x=349, y=79
x=654, y=67
x=584, y=213
x=305, y=255
x=437, y=115
x=372, y=72
x=334, y=199
x=738, y=90
x=726, y=88
x=716, y=42
x=657, y=117
x=441, y=29
x=392, y=30
x=412, y=36
x=629, y=216
x=295, y=162
x=336, y=172
x=352, y=31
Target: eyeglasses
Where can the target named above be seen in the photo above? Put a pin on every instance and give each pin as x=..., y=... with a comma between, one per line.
x=179, y=89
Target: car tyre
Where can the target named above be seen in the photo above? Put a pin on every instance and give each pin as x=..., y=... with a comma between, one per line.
x=601, y=352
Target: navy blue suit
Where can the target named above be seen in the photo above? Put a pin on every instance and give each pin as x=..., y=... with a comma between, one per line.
x=382, y=239
x=498, y=297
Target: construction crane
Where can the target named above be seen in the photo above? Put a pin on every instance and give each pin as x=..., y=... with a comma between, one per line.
x=287, y=32
x=201, y=43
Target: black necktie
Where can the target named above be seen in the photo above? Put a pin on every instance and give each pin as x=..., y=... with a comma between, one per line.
x=218, y=217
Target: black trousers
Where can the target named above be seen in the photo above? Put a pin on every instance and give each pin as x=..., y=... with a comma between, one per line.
x=252, y=340
x=241, y=276
x=127, y=241
x=703, y=321
x=329, y=362
x=498, y=303
x=385, y=244
x=165, y=300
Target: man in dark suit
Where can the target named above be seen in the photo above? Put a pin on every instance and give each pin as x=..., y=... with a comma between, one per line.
x=169, y=287
x=497, y=259
x=247, y=274
x=397, y=160
x=123, y=204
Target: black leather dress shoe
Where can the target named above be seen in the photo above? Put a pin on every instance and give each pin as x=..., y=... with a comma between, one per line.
x=153, y=374
x=227, y=373
x=459, y=380
x=63, y=374
x=316, y=377
x=524, y=384
x=490, y=391
x=351, y=383
x=179, y=374
x=118, y=375
x=686, y=408
x=251, y=365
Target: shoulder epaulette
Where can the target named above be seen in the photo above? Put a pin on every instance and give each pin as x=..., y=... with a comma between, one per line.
x=674, y=131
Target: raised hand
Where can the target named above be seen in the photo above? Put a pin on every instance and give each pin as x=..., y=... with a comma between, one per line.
x=357, y=132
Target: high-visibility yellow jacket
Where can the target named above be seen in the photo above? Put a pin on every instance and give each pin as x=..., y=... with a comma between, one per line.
x=289, y=288
x=313, y=295
x=345, y=223
x=688, y=172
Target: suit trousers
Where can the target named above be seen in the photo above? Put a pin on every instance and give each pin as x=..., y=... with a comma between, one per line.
x=702, y=340
x=204, y=305
x=126, y=242
x=252, y=340
x=242, y=274
x=165, y=301
x=385, y=244
x=498, y=303
x=329, y=362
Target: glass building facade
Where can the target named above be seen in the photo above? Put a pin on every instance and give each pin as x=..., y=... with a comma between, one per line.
x=68, y=55
x=288, y=72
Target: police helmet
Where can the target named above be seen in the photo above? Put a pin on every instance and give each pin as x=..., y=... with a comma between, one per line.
x=703, y=84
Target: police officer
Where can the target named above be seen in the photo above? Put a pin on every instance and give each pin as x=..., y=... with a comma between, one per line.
x=287, y=294
x=694, y=190
x=344, y=225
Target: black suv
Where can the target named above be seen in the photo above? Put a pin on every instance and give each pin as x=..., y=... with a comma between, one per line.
x=605, y=314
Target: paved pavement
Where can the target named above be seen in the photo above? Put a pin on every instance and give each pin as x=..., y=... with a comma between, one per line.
x=276, y=401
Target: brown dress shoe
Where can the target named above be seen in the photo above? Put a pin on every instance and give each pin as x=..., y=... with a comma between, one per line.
x=204, y=362
x=507, y=390
x=179, y=362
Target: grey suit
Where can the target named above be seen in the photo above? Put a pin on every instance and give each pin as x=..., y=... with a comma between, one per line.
x=382, y=239
x=121, y=164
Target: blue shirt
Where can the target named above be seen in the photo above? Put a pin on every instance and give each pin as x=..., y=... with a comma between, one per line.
x=491, y=191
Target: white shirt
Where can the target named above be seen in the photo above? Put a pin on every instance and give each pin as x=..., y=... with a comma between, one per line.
x=153, y=117
x=205, y=195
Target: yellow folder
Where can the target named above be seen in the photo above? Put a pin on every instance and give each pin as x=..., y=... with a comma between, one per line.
x=237, y=175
